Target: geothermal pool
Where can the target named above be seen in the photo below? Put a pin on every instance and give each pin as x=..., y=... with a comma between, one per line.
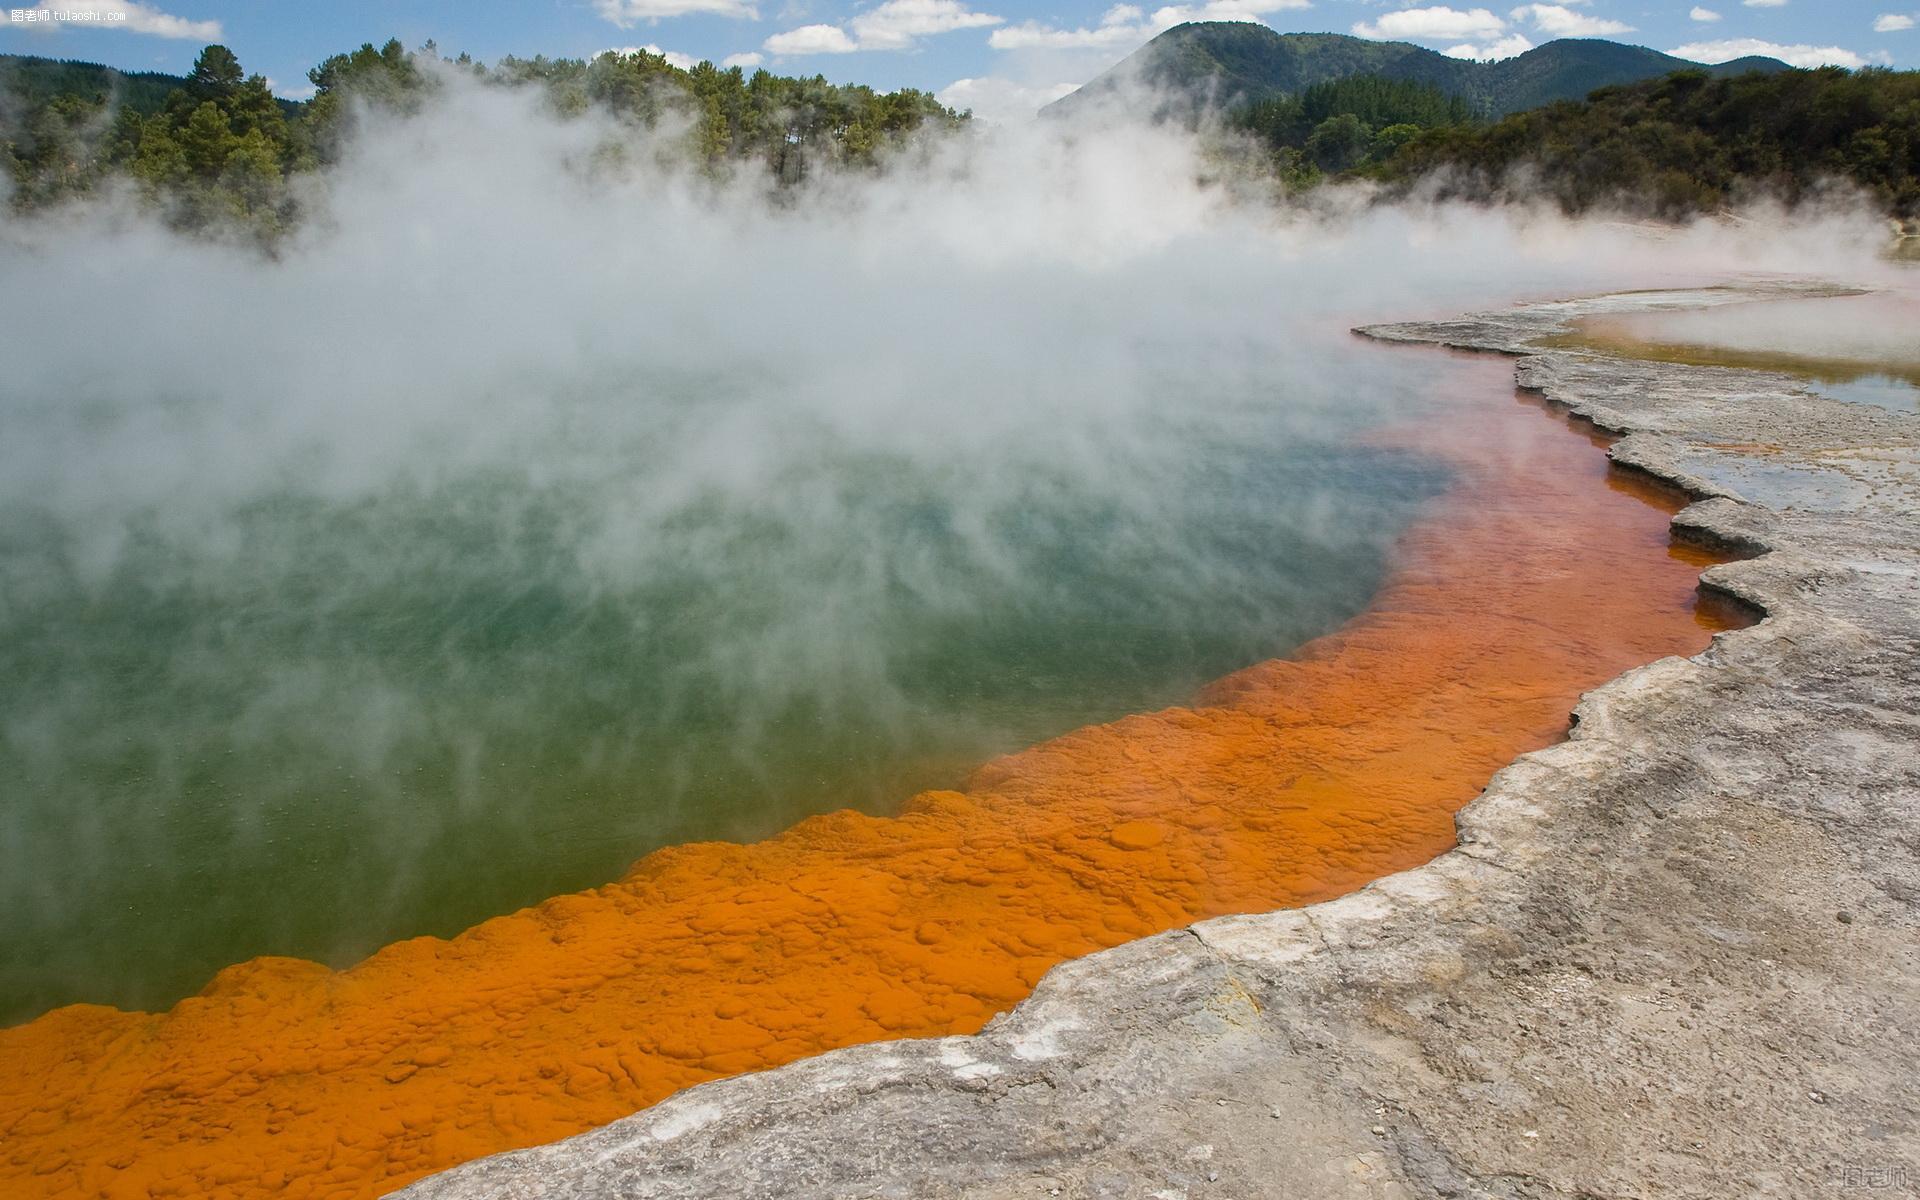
x=490, y=665
x=1524, y=571
x=309, y=722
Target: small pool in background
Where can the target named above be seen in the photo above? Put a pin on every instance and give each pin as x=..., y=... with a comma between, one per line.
x=1863, y=348
x=1887, y=391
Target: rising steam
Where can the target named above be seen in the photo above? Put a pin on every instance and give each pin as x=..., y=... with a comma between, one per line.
x=543, y=498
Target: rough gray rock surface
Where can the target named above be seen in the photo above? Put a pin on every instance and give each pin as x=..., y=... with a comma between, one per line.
x=1677, y=955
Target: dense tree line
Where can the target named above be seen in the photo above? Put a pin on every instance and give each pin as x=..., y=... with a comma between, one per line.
x=784, y=122
x=1689, y=143
x=1345, y=123
x=219, y=147
x=216, y=146
x=36, y=81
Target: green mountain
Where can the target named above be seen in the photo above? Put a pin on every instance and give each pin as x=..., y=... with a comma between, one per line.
x=1681, y=144
x=34, y=81
x=1227, y=64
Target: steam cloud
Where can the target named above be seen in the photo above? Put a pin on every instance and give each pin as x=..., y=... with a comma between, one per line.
x=320, y=560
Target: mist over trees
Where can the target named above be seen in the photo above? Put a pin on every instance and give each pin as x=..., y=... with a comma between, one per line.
x=784, y=121
x=217, y=146
x=220, y=149
x=1345, y=123
x=1688, y=143
x=217, y=151
x=33, y=82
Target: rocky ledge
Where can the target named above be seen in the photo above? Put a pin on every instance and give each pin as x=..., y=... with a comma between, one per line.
x=1677, y=955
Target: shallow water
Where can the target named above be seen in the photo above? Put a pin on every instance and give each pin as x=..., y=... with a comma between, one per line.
x=1887, y=391
x=1861, y=348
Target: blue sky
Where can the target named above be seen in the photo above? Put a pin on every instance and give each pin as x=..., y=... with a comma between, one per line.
x=1000, y=57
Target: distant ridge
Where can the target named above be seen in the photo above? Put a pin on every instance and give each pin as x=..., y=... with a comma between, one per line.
x=35, y=81
x=1230, y=63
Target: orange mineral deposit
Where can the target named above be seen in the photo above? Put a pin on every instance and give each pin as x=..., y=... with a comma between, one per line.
x=1537, y=576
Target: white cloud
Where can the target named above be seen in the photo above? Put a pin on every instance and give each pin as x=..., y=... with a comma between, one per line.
x=1126, y=24
x=1122, y=23
x=627, y=13
x=811, y=39
x=1795, y=55
x=897, y=23
x=1703, y=14
x=1436, y=22
x=1220, y=10
x=894, y=25
x=674, y=57
x=303, y=92
x=1764, y=3
x=751, y=58
x=1892, y=23
x=128, y=17
x=1001, y=101
x=1557, y=20
x=1506, y=47
x=1111, y=31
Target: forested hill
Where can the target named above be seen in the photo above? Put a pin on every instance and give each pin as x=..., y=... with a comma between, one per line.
x=1684, y=144
x=37, y=81
x=1231, y=64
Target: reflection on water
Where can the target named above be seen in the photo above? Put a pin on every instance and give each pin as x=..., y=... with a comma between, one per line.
x=1887, y=391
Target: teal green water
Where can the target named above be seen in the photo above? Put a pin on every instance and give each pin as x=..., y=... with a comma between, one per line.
x=310, y=724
